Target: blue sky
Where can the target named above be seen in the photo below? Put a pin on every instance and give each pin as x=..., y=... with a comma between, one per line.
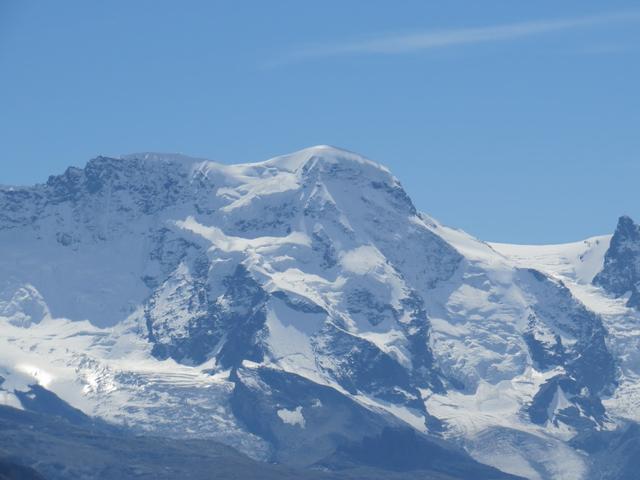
x=516, y=121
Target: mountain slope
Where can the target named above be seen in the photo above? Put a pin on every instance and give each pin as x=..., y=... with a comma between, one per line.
x=61, y=450
x=295, y=307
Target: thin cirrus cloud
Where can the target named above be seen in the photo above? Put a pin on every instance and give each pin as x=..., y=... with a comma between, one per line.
x=436, y=39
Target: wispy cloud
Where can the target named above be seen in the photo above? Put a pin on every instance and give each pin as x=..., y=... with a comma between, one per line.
x=435, y=39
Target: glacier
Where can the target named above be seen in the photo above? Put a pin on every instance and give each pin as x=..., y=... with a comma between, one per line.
x=300, y=308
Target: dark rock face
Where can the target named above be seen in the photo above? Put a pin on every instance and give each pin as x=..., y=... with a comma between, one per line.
x=105, y=197
x=621, y=272
x=188, y=326
x=360, y=366
x=584, y=412
x=546, y=352
x=589, y=367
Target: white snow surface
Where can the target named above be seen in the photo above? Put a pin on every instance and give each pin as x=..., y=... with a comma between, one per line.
x=292, y=417
x=578, y=261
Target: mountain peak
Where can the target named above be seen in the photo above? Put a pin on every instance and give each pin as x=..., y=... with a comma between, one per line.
x=162, y=157
x=627, y=227
x=325, y=154
x=621, y=272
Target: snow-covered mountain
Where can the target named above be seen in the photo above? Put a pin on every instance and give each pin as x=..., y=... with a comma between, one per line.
x=301, y=308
